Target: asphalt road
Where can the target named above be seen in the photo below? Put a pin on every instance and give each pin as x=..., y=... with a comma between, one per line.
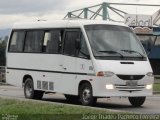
x=151, y=105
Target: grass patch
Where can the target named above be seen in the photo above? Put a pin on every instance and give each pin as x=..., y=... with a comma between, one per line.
x=37, y=110
x=28, y=107
x=156, y=87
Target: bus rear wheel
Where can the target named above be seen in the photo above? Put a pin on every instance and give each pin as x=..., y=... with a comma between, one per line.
x=29, y=91
x=137, y=101
x=86, y=95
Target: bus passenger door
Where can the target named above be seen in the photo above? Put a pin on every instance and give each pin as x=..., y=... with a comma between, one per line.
x=69, y=61
x=84, y=64
x=53, y=59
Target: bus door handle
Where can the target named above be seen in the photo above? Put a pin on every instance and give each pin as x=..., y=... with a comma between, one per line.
x=64, y=68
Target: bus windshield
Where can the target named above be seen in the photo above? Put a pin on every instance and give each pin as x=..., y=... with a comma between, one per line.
x=111, y=41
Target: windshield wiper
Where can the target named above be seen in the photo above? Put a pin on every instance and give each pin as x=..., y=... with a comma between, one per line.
x=112, y=52
x=132, y=51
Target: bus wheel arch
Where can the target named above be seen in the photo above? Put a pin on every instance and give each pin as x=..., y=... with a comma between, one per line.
x=29, y=91
x=85, y=93
x=25, y=78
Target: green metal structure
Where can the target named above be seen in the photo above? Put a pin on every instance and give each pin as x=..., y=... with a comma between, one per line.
x=106, y=11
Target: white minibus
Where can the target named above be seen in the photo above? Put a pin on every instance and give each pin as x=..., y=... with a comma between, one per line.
x=82, y=59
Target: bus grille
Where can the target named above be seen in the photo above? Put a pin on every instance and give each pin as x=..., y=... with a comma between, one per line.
x=130, y=88
x=130, y=77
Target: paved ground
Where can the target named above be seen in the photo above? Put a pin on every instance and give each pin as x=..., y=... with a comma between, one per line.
x=151, y=106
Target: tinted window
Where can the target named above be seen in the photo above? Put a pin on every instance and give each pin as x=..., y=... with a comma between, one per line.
x=17, y=41
x=157, y=43
x=118, y=39
x=147, y=42
x=154, y=53
x=52, y=40
x=83, y=52
x=69, y=43
x=34, y=41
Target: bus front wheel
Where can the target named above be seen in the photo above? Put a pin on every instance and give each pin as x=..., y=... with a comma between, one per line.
x=86, y=95
x=29, y=91
x=137, y=101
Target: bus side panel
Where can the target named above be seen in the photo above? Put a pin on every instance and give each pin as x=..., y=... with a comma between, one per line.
x=36, y=65
x=85, y=71
x=14, y=77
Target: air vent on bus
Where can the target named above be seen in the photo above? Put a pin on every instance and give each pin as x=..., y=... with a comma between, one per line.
x=39, y=84
x=44, y=85
x=51, y=86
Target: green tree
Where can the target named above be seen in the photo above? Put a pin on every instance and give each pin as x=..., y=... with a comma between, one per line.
x=2, y=51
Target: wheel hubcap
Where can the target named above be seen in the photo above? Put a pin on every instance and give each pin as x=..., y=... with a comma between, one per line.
x=86, y=94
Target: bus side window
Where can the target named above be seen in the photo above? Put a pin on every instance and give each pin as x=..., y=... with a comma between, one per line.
x=69, y=42
x=83, y=52
x=33, y=43
x=51, y=42
x=17, y=41
x=47, y=38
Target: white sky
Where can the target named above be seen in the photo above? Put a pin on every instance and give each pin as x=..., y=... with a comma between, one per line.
x=12, y=11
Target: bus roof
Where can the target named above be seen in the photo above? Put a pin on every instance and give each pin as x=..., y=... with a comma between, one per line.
x=61, y=24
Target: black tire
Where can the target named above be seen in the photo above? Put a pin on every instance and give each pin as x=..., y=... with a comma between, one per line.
x=86, y=95
x=71, y=98
x=29, y=91
x=137, y=101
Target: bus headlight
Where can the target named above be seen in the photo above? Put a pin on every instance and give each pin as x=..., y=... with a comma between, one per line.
x=105, y=74
x=109, y=87
x=149, y=86
x=150, y=74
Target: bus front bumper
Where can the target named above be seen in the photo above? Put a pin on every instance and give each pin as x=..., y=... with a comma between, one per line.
x=113, y=86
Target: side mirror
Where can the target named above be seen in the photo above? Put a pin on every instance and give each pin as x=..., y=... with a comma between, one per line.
x=78, y=43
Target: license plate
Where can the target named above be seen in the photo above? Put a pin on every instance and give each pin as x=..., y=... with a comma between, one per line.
x=131, y=83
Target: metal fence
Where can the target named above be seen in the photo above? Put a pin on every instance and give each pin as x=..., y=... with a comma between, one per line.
x=2, y=74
